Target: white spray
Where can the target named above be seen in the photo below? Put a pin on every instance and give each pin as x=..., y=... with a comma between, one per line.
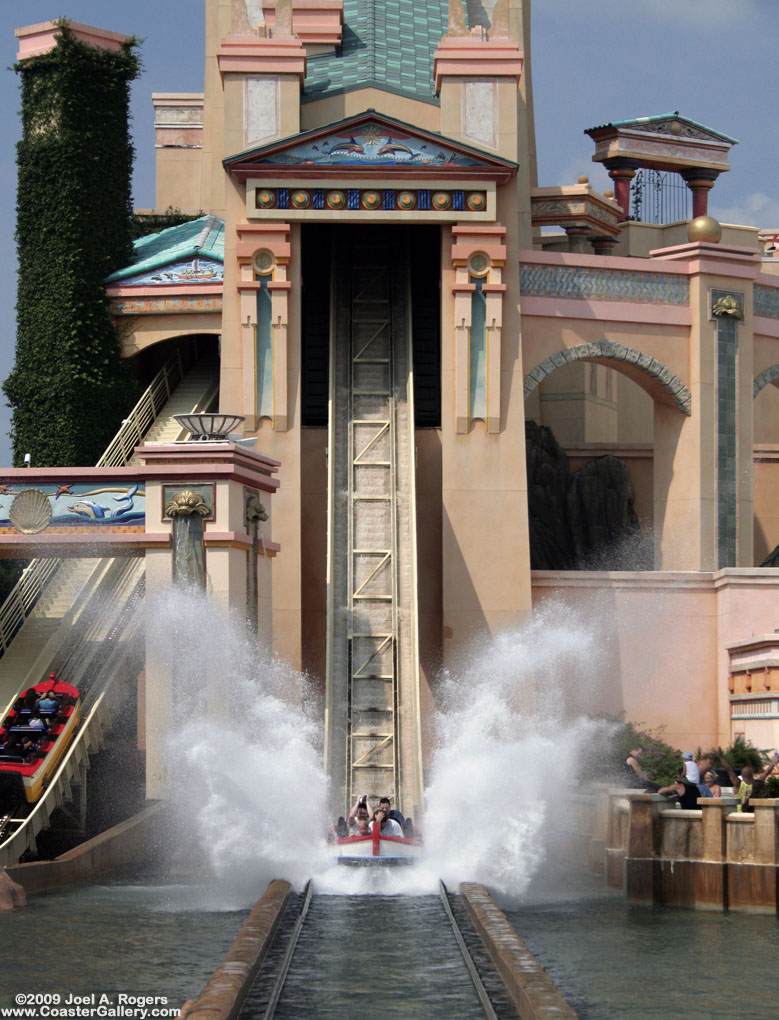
x=247, y=766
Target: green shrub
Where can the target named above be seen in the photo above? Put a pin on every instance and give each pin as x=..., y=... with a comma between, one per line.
x=660, y=760
x=742, y=752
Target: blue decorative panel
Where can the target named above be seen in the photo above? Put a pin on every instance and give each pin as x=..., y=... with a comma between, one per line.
x=111, y=506
x=318, y=198
x=458, y=200
x=766, y=301
x=582, y=283
x=423, y=200
x=194, y=270
x=282, y=198
x=372, y=144
x=388, y=199
x=353, y=198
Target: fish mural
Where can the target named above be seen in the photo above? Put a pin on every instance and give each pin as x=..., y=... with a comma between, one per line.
x=81, y=503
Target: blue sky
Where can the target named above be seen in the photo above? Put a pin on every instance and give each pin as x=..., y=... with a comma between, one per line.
x=593, y=61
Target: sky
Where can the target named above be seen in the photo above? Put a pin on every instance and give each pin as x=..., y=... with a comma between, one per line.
x=593, y=61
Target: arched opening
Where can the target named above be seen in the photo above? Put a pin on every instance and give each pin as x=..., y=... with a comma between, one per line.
x=591, y=455
x=766, y=463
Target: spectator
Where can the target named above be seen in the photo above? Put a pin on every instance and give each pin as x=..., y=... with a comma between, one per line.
x=687, y=792
x=748, y=785
x=690, y=768
x=710, y=780
x=635, y=777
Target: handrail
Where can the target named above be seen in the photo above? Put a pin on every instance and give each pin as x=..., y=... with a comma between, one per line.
x=23, y=597
x=145, y=413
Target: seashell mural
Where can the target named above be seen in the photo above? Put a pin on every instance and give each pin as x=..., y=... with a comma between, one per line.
x=30, y=512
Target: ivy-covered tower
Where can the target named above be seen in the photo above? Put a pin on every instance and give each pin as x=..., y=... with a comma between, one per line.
x=68, y=390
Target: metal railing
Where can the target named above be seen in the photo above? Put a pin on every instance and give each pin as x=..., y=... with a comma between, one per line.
x=657, y=197
x=147, y=410
x=23, y=597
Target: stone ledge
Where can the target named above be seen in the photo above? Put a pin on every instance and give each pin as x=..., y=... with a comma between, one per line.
x=534, y=993
x=224, y=995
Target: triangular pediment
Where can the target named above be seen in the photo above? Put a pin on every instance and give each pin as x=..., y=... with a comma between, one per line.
x=673, y=125
x=370, y=144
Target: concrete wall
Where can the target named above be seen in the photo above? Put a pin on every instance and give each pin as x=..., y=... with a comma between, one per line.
x=659, y=653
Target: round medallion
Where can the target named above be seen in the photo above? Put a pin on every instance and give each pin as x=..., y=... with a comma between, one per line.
x=370, y=200
x=265, y=198
x=336, y=200
x=30, y=512
x=300, y=199
x=406, y=199
x=264, y=261
x=441, y=200
x=476, y=201
x=478, y=263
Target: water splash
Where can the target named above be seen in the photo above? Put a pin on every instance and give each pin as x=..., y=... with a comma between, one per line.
x=509, y=744
x=510, y=738
x=247, y=770
x=242, y=752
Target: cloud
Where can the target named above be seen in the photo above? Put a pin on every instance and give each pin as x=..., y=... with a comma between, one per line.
x=757, y=210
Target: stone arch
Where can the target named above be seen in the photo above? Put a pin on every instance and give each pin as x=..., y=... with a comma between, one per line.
x=768, y=375
x=658, y=380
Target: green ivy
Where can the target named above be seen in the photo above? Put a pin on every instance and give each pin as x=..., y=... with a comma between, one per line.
x=68, y=389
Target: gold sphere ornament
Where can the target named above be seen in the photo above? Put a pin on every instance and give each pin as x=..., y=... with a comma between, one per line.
x=704, y=229
x=584, y=179
x=608, y=193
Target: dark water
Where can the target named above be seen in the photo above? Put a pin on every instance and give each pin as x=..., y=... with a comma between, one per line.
x=137, y=940
x=391, y=957
x=614, y=961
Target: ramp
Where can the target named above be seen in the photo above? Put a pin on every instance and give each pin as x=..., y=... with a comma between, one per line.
x=372, y=742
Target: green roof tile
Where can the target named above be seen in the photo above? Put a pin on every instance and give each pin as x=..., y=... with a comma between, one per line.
x=200, y=237
x=386, y=43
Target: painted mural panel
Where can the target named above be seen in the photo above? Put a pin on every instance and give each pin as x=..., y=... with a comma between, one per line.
x=194, y=270
x=80, y=506
x=372, y=145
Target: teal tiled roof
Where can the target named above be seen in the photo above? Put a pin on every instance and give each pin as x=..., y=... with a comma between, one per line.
x=386, y=43
x=202, y=237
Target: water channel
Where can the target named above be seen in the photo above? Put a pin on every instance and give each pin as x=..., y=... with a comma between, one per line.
x=383, y=955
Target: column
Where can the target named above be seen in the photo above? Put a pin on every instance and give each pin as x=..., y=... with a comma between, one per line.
x=622, y=171
x=700, y=182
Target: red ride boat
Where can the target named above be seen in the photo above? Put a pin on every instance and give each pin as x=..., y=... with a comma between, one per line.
x=25, y=774
x=377, y=849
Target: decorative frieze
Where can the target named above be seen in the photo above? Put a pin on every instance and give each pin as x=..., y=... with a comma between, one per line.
x=327, y=200
x=585, y=284
x=575, y=206
x=155, y=305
